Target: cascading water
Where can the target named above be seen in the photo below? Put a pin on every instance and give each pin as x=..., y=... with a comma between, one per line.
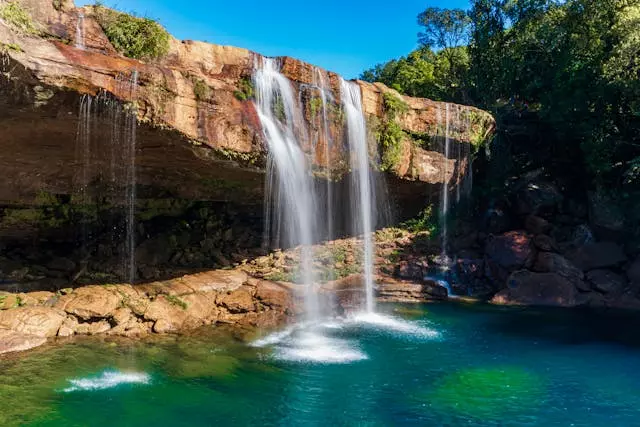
x=130, y=127
x=362, y=181
x=290, y=190
x=444, y=201
x=80, y=31
x=325, y=93
x=292, y=205
x=83, y=156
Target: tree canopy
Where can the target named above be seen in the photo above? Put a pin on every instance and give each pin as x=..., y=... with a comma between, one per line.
x=575, y=64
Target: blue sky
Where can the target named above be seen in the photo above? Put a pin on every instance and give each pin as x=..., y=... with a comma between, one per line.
x=345, y=36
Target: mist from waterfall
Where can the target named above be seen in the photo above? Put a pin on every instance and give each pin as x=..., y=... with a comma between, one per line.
x=362, y=181
x=291, y=202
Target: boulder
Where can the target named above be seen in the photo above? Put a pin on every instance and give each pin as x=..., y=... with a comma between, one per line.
x=12, y=341
x=633, y=272
x=398, y=291
x=93, y=328
x=216, y=280
x=537, y=197
x=238, y=301
x=37, y=298
x=548, y=262
x=597, y=255
x=508, y=253
x=37, y=321
x=468, y=270
x=411, y=270
x=536, y=225
x=273, y=295
x=545, y=243
x=91, y=302
x=538, y=289
x=606, y=281
x=605, y=215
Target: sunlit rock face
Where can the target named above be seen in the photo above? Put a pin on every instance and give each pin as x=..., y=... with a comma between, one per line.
x=198, y=122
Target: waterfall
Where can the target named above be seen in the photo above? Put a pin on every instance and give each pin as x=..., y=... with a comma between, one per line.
x=325, y=94
x=130, y=128
x=292, y=206
x=444, y=201
x=362, y=182
x=83, y=156
x=80, y=31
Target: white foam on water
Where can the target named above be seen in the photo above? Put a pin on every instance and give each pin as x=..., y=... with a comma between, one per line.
x=309, y=346
x=108, y=379
x=305, y=343
x=393, y=324
x=274, y=338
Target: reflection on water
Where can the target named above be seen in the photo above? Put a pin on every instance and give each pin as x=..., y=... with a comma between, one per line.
x=450, y=365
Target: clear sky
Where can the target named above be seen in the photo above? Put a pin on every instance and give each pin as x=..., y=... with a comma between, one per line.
x=345, y=36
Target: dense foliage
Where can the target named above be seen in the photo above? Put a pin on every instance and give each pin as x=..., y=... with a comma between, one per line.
x=134, y=37
x=573, y=66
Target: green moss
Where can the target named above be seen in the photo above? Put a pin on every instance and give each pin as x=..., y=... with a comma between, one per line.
x=315, y=105
x=425, y=221
x=252, y=158
x=201, y=90
x=280, y=276
x=57, y=4
x=245, y=90
x=389, y=133
x=217, y=184
x=15, y=15
x=134, y=37
x=10, y=47
x=174, y=300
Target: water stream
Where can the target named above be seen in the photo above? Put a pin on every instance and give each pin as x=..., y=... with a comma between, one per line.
x=362, y=182
x=291, y=201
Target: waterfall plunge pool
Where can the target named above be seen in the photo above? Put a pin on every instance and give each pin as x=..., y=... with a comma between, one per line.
x=437, y=364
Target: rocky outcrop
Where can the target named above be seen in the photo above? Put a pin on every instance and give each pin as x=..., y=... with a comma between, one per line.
x=507, y=253
x=179, y=305
x=598, y=255
x=541, y=289
x=198, y=122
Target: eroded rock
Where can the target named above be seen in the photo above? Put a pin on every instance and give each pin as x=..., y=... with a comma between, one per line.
x=90, y=302
x=12, y=341
x=37, y=321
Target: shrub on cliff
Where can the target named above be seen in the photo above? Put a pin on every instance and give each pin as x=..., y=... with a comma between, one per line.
x=134, y=37
x=15, y=15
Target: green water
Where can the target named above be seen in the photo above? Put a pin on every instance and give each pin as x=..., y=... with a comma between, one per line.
x=436, y=365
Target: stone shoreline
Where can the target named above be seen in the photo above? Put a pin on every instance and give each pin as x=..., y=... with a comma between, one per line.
x=178, y=305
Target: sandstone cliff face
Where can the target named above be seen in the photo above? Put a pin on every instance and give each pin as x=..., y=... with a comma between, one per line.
x=194, y=126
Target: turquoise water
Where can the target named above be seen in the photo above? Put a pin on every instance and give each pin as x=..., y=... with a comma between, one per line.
x=435, y=365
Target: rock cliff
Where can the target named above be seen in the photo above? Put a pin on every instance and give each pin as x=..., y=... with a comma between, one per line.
x=198, y=124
